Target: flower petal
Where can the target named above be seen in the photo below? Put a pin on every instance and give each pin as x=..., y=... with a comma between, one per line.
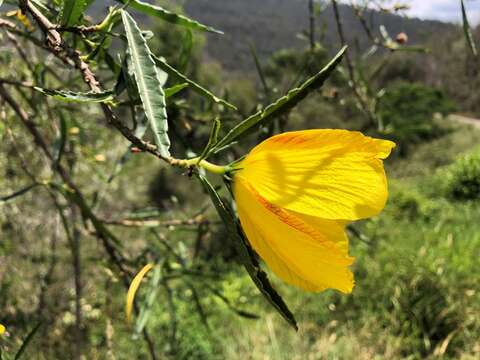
x=301, y=255
x=331, y=174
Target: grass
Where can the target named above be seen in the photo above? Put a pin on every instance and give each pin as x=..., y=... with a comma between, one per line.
x=416, y=293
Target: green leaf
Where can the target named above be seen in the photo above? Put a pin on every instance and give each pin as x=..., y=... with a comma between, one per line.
x=259, y=68
x=187, y=46
x=72, y=96
x=162, y=64
x=17, y=193
x=27, y=341
x=227, y=302
x=150, y=297
x=282, y=105
x=468, y=31
x=157, y=11
x=72, y=11
x=212, y=140
x=169, y=92
x=247, y=255
x=148, y=82
x=59, y=144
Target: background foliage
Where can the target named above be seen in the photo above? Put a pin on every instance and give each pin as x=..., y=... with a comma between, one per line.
x=82, y=209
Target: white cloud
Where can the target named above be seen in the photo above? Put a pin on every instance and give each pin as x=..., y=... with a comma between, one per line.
x=445, y=10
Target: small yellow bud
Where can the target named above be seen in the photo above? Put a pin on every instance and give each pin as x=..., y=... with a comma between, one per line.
x=74, y=131
x=100, y=158
x=2, y=329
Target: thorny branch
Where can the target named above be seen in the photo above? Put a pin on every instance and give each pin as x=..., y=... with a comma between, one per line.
x=62, y=50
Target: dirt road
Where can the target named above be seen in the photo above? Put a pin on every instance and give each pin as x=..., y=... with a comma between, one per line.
x=465, y=120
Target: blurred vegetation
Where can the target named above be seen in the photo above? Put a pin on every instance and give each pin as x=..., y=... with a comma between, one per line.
x=463, y=178
x=417, y=293
x=407, y=111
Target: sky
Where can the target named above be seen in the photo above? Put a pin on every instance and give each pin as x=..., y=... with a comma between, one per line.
x=445, y=10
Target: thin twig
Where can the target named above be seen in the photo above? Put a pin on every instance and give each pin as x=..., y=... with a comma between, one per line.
x=157, y=223
x=59, y=47
x=350, y=68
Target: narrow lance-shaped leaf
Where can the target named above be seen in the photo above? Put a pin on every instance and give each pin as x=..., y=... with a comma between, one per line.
x=146, y=306
x=125, y=81
x=175, y=89
x=17, y=193
x=148, y=82
x=59, y=144
x=162, y=64
x=132, y=290
x=227, y=302
x=72, y=96
x=468, y=30
x=282, y=105
x=157, y=11
x=247, y=256
x=259, y=68
x=27, y=341
x=187, y=46
x=72, y=11
x=212, y=139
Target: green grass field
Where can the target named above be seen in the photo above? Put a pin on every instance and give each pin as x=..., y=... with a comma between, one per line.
x=416, y=293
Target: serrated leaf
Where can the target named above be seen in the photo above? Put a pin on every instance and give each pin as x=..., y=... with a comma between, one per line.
x=247, y=255
x=72, y=11
x=177, y=19
x=468, y=30
x=162, y=64
x=41, y=5
x=72, y=96
x=149, y=83
x=282, y=105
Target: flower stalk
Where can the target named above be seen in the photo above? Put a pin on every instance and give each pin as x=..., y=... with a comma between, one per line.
x=204, y=164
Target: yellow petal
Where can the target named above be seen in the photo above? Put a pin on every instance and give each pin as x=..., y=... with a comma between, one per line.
x=300, y=254
x=2, y=329
x=331, y=174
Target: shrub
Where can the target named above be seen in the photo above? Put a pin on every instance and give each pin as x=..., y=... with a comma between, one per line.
x=407, y=111
x=407, y=203
x=463, y=178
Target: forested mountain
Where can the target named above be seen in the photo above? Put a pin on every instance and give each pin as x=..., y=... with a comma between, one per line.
x=276, y=24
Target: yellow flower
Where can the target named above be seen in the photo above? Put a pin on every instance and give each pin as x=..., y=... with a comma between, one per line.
x=297, y=191
x=2, y=329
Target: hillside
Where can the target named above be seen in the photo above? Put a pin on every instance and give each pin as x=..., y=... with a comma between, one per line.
x=275, y=24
